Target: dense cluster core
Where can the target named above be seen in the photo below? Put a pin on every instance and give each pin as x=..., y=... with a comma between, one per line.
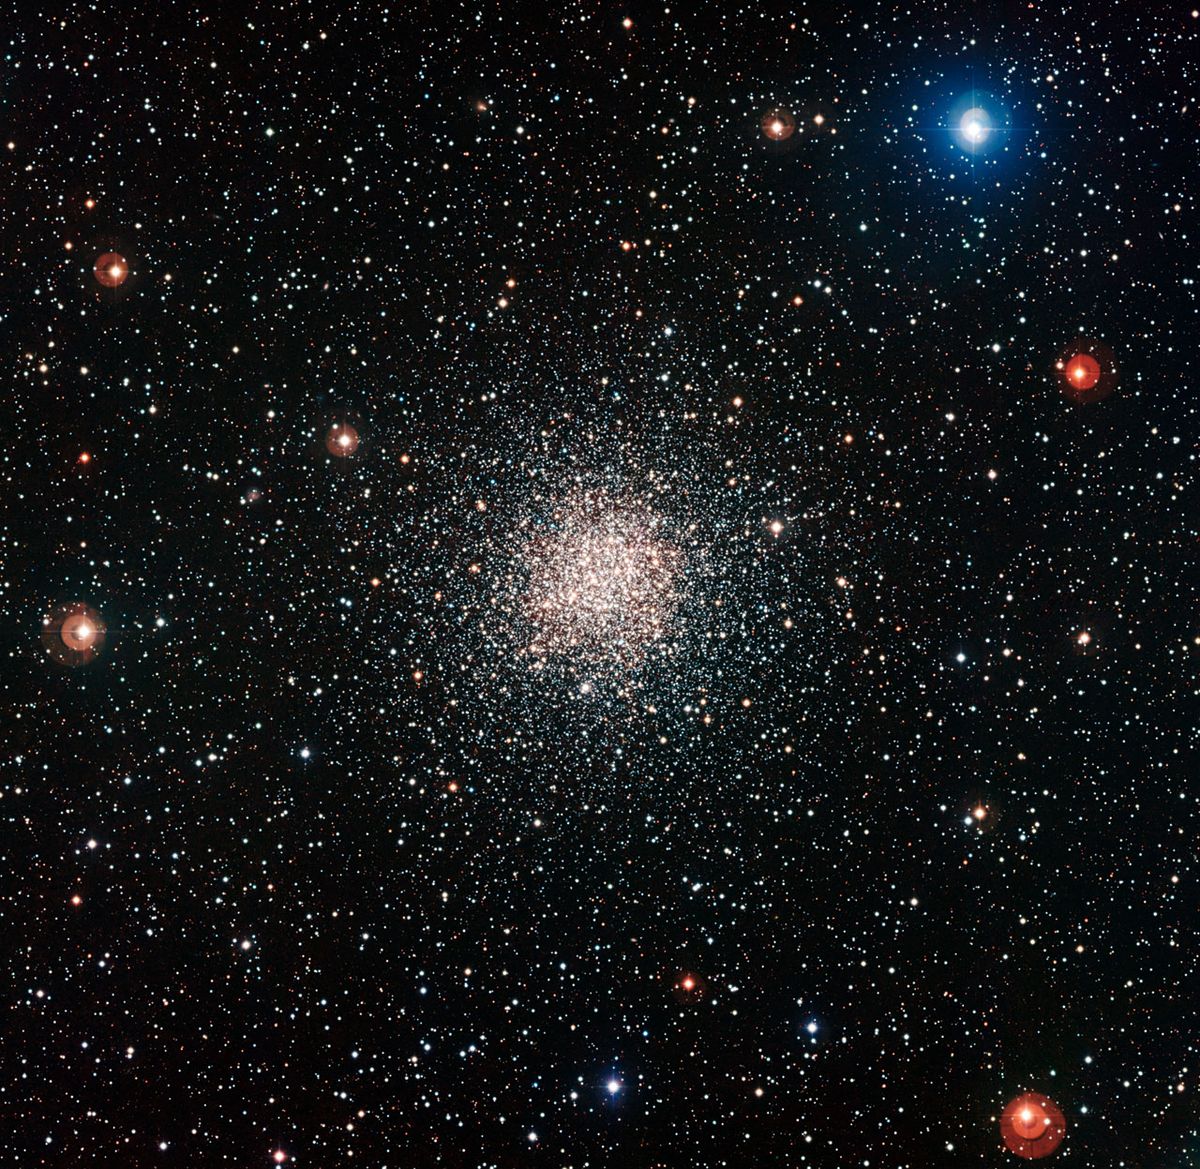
x=603, y=583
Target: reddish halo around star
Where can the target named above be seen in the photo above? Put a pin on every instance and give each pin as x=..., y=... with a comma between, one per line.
x=342, y=440
x=688, y=987
x=778, y=124
x=73, y=633
x=111, y=270
x=1032, y=1126
x=1083, y=371
x=1087, y=371
x=79, y=632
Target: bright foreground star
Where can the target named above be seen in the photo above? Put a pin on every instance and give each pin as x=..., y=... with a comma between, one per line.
x=975, y=126
x=1032, y=1126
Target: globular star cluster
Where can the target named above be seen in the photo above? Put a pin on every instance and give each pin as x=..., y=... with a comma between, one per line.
x=599, y=587
x=647, y=579
x=602, y=583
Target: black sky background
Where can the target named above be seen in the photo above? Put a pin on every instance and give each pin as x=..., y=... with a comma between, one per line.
x=247, y=161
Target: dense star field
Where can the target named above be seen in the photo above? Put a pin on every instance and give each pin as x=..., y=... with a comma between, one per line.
x=591, y=586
